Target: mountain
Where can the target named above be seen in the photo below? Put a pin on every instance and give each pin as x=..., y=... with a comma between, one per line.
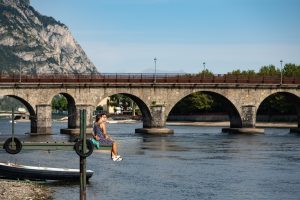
x=37, y=43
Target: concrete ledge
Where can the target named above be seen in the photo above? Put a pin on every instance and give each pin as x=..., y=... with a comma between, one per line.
x=74, y=131
x=295, y=130
x=243, y=130
x=155, y=131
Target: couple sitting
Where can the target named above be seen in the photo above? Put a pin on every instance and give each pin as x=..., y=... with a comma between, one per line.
x=100, y=134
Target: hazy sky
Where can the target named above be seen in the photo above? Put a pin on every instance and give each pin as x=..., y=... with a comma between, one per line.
x=125, y=35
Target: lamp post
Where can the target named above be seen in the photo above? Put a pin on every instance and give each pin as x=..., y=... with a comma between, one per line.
x=203, y=69
x=155, y=59
x=281, y=72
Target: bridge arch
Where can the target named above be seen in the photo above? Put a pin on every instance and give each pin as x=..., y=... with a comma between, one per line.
x=146, y=114
x=290, y=99
x=31, y=110
x=229, y=107
x=72, y=112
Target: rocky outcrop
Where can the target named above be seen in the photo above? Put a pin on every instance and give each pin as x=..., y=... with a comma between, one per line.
x=37, y=43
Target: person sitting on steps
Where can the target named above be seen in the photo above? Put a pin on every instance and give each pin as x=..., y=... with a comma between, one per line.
x=100, y=134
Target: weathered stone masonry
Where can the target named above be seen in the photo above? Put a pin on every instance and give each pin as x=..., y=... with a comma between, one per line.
x=155, y=101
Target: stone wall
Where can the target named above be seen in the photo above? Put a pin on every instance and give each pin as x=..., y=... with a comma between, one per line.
x=155, y=102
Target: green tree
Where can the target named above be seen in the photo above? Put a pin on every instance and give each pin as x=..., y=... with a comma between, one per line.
x=244, y=72
x=193, y=104
x=55, y=104
x=269, y=70
x=63, y=103
x=205, y=73
x=278, y=104
x=59, y=102
x=291, y=70
x=121, y=100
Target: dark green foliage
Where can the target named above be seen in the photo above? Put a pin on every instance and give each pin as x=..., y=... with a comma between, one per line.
x=205, y=73
x=99, y=109
x=291, y=70
x=196, y=103
x=269, y=70
x=278, y=104
x=59, y=102
x=244, y=72
x=120, y=100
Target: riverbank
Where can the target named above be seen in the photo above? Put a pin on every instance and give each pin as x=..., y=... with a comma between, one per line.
x=227, y=124
x=17, y=190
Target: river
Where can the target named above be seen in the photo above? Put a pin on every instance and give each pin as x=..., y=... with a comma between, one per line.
x=194, y=163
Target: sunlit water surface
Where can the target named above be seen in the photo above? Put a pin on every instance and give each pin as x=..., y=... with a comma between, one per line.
x=194, y=163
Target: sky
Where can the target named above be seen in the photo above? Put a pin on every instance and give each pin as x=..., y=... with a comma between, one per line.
x=124, y=36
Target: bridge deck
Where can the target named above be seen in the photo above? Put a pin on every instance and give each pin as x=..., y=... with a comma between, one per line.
x=147, y=78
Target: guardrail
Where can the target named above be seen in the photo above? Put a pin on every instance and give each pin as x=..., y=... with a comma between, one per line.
x=146, y=78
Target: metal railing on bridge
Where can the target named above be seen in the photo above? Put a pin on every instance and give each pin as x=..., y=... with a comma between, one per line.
x=145, y=78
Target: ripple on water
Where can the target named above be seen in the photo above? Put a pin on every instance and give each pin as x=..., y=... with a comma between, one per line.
x=194, y=163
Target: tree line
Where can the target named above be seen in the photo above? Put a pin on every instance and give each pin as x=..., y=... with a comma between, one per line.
x=288, y=70
x=275, y=104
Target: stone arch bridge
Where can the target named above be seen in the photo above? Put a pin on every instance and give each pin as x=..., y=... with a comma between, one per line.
x=155, y=99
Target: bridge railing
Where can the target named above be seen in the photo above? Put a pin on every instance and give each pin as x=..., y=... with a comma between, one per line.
x=145, y=78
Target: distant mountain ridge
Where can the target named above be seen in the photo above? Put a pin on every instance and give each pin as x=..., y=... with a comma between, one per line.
x=37, y=43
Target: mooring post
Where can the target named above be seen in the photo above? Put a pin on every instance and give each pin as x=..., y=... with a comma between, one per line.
x=83, y=159
x=13, y=126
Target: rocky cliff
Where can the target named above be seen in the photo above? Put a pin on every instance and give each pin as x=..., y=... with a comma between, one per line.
x=37, y=43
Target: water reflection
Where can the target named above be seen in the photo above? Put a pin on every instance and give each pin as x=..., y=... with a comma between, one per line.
x=194, y=163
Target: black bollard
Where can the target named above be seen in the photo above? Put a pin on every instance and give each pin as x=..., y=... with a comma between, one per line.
x=83, y=159
x=13, y=128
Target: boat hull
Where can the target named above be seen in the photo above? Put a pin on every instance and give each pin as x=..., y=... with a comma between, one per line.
x=23, y=172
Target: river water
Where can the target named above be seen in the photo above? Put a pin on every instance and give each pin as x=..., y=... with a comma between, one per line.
x=194, y=163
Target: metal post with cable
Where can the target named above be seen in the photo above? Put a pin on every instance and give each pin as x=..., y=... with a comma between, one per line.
x=83, y=159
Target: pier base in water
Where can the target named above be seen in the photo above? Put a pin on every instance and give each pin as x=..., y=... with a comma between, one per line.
x=154, y=131
x=295, y=130
x=243, y=130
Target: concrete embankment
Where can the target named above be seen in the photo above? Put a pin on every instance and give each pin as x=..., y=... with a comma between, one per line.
x=17, y=190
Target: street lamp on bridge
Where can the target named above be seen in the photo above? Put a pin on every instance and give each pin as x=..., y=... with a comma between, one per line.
x=281, y=72
x=203, y=72
x=155, y=59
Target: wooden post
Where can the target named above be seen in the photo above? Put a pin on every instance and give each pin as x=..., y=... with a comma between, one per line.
x=82, y=159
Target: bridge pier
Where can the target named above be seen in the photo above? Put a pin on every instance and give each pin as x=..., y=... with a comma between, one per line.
x=43, y=120
x=157, y=122
x=74, y=120
x=248, y=116
x=297, y=130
